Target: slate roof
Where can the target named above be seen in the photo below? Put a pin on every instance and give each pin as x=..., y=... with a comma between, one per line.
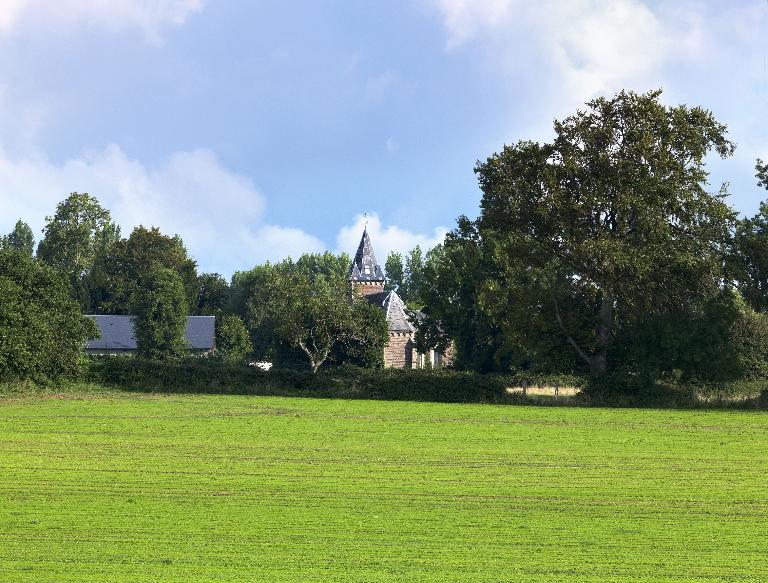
x=364, y=266
x=117, y=333
x=394, y=311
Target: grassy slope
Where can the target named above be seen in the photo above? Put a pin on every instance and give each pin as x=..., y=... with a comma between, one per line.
x=196, y=488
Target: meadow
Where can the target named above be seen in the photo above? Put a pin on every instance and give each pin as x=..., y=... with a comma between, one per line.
x=111, y=486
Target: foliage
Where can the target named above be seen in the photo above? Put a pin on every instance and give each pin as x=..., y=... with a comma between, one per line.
x=213, y=295
x=748, y=260
x=610, y=222
x=20, y=239
x=160, y=309
x=365, y=347
x=233, y=344
x=394, y=272
x=131, y=261
x=307, y=303
x=73, y=237
x=762, y=174
x=307, y=306
x=454, y=277
x=413, y=278
x=42, y=332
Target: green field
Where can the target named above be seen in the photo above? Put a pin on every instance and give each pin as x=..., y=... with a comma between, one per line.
x=122, y=487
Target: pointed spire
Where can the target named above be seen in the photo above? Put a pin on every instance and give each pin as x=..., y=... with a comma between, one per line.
x=364, y=266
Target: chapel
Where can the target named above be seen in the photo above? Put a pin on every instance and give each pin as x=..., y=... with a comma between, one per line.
x=367, y=279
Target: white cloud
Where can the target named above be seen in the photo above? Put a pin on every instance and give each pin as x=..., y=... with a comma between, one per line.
x=148, y=15
x=571, y=50
x=219, y=214
x=385, y=238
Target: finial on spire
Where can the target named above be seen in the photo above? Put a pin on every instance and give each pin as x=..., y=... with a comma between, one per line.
x=365, y=226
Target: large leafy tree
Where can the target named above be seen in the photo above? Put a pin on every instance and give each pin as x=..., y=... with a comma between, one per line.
x=131, y=260
x=306, y=306
x=20, y=239
x=42, y=331
x=161, y=308
x=609, y=222
x=73, y=237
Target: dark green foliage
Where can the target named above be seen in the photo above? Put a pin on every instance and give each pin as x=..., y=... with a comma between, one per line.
x=160, y=309
x=233, y=344
x=349, y=382
x=20, y=239
x=748, y=260
x=455, y=277
x=130, y=260
x=395, y=273
x=608, y=223
x=42, y=332
x=213, y=295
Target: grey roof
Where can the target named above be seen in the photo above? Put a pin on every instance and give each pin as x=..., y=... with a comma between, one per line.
x=117, y=333
x=364, y=266
x=394, y=310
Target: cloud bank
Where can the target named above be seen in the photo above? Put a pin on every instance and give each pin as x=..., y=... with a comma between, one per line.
x=219, y=214
x=150, y=16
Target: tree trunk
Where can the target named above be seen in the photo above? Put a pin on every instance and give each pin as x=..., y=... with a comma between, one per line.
x=598, y=362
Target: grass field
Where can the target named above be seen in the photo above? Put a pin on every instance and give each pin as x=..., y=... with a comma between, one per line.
x=122, y=487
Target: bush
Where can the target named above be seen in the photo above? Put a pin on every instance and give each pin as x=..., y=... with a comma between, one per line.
x=210, y=376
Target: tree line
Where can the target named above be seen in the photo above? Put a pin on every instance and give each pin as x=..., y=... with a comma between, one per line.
x=605, y=252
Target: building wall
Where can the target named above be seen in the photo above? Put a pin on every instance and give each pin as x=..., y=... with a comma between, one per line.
x=366, y=288
x=398, y=353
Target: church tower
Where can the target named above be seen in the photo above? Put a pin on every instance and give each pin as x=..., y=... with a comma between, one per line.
x=366, y=275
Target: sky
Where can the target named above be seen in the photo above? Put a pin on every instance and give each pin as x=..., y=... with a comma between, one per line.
x=261, y=129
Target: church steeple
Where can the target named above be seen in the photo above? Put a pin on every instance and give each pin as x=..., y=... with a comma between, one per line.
x=366, y=273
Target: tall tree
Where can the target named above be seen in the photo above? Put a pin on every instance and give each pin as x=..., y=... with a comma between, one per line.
x=131, y=260
x=161, y=309
x=42, y=330
x=213, y=295
x=71, y=236
x=413, y=277
x=395, y=272
x=20, y=239
x=612, y=220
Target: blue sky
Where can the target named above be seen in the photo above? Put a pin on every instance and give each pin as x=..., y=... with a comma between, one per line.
x=261, y=129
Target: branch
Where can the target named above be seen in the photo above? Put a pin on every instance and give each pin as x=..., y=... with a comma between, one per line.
x=570, y=339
